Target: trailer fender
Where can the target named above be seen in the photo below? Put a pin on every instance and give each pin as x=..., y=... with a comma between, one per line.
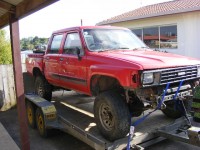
x=48, y=109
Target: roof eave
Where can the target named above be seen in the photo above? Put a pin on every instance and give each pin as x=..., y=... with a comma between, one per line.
x=149, y=16
x=24, y=9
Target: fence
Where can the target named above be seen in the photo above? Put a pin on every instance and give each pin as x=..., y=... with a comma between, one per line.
x=7, y=88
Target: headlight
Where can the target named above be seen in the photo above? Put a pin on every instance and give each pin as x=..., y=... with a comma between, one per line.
x=198, y=71
x=147, y=78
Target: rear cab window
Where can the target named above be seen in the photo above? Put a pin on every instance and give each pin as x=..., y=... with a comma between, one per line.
x=55, y=44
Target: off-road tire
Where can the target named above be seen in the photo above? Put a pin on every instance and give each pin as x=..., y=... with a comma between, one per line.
x=111, y=105
x=30, y=111
x=43, y=88
x=40, y=122
x=175, y=113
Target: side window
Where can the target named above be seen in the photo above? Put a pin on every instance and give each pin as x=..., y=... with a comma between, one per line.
x=72, y=43
x=55, y=44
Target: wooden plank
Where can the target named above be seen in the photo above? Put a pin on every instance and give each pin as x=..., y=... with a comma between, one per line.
x=7, y=6
x=11, y=87
x=18, y=77
x=7, y=90
x=27, y=7
x=1, y=88
x=5, y=86
x=24, y=9
x=4, y=20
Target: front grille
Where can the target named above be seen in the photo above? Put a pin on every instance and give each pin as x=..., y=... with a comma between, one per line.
x=173, y=75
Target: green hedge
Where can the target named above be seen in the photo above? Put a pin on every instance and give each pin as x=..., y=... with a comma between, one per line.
x=5, y=49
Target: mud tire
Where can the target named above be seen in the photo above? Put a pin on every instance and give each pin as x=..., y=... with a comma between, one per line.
x=112, y=115
x=43, y=88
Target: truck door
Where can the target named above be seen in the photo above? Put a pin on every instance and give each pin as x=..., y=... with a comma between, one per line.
x=73, y=70
x=51, y=60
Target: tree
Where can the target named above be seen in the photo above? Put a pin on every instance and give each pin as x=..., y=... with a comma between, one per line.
x=5, y=49
x=32, y=43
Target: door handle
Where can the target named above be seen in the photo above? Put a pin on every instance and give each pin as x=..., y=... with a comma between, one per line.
x=61, y=59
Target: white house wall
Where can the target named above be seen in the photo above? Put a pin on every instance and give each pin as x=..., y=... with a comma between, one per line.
x=188, y=30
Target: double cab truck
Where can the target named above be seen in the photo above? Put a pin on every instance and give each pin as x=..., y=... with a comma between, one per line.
x=111, y=63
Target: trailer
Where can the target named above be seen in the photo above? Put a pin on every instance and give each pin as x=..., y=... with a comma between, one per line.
x=73, y=114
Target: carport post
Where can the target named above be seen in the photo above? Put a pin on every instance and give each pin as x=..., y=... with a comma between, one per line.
x=19, y=85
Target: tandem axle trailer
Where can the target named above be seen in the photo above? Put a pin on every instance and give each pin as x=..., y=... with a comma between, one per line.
x=73, y=114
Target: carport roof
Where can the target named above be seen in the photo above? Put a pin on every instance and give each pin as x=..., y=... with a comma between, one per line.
x=161, y=9
x=20, y=8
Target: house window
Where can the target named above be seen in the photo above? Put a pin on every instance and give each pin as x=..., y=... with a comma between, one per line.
x=151, y=37
x=162, y=37
x=168, y=37
x=138, y=32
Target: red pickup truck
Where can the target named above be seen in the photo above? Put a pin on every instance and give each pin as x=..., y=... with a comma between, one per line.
x=112, y=64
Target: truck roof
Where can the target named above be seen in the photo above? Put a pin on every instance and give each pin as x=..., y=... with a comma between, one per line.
x=87, y=27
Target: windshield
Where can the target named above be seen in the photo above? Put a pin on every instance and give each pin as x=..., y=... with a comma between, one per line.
x=111, y=39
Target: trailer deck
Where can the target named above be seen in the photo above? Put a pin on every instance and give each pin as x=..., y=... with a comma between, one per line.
x=75, y=116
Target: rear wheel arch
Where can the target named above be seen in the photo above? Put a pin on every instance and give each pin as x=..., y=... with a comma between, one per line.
x=37, y=72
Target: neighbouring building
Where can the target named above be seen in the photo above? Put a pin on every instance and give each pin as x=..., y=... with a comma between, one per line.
x=172, y=26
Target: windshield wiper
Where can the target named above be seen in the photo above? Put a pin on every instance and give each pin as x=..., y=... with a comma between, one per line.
x=145, y=47
x=122, y=48
x=137, y=48
x=102, y=50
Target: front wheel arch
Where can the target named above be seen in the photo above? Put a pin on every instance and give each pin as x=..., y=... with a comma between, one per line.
x=102, y=83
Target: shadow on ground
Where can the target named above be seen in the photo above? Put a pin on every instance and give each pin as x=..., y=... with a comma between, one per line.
x=57, y=141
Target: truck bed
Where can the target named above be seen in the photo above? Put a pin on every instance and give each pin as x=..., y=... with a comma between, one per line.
x=34, y=60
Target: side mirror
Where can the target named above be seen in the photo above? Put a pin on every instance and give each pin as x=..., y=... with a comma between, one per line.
x=78, y=51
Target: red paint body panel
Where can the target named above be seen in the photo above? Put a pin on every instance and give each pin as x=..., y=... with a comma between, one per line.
x=34, y=61
x=71, y=73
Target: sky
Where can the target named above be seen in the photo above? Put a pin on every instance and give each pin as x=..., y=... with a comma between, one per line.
x=64, y=14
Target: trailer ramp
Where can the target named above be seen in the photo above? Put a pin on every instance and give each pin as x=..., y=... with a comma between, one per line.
x=74, y=115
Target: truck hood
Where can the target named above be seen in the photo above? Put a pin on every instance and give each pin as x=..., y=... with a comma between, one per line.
x=149, y=59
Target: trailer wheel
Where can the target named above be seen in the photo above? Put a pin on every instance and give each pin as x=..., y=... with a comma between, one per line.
x=30, y=111
x=41, y=123
x=43, y=88
x=172, y=113
x=112, y=115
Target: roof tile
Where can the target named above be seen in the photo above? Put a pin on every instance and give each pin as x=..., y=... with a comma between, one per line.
x=166, y=8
